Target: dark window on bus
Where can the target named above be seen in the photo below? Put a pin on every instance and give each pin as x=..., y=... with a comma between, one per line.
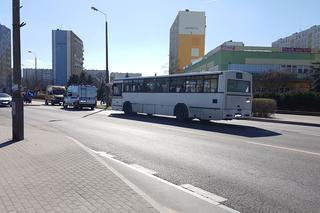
x=117, y=89
x=177, y=84
x=238, y=86
x=162, y=85
x=137, y=85
x=194, y=84
x=149, y=85
x=128, y=86
x=210, y=83
x=239, y=75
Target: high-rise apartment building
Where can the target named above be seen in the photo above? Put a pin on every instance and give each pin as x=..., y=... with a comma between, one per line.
x=187, y=39
x=309, y=38
x=43, y=76
x=67, y=55
x=5, y=59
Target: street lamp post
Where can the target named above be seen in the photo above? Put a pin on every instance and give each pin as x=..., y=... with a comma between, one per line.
x=107, y=62
x=35, y=66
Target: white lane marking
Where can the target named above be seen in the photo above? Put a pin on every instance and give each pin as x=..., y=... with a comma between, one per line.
x=154, y=203
x=228, y=209
x=283, y=148
x=204, y=193
x=103, y=154
x=163, y=181
x=143, y=169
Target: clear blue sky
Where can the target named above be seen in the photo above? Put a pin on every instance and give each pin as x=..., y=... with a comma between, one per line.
x=139, y=30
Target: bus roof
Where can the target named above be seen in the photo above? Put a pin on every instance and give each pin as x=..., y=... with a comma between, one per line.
x=178, y=75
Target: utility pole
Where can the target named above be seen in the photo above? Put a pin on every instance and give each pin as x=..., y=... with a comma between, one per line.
x=17, y=103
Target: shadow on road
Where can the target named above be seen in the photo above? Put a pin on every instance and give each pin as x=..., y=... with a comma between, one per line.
x=77, y=109
x=231, y=129
x=7, y=143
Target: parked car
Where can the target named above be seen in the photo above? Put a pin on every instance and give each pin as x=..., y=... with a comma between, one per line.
x=54, y=95
x=81, y=96
x=5, y=99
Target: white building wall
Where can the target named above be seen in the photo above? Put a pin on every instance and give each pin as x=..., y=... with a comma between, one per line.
x=190, y=22
x=309, y=38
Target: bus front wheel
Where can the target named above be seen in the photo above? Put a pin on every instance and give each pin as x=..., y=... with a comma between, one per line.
x=127, y=108
x=181, y=112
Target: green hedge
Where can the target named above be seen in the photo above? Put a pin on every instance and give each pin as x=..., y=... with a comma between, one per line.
x=263, y=107
x=309, y=101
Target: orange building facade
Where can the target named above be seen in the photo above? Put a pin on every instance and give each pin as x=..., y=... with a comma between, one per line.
x=187, y=40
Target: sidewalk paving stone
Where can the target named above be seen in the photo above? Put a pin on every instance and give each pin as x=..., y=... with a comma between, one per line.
x=48, y=173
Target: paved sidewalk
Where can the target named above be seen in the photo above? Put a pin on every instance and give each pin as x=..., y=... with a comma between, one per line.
x=48, y=173
x=291, y=119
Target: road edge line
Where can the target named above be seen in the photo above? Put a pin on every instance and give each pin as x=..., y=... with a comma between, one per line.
x=154, y=203
x=151, y=201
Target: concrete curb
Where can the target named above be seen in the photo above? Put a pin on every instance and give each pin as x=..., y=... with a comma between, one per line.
x=272, y=120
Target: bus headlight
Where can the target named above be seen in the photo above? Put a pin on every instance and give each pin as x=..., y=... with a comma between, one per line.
x=248, y=101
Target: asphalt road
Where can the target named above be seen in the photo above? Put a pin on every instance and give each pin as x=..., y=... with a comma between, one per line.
x=257, y=166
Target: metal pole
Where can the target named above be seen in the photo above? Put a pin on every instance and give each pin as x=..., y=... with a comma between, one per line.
x=17, y=103
x=35, y=69
x=107, y=67
x=107, y=60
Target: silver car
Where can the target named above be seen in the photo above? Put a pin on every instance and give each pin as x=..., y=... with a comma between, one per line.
x=5, y=99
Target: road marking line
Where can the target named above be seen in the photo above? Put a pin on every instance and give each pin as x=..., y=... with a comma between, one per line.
x=162, y=180
x=284, y=148
x=103, y=154
x=143, y=169
x=154, y=203
x=93, y=153
x=204, y=193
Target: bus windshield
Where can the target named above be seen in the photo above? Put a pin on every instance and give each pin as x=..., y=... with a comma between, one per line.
x=58, y=91
x=238, y=86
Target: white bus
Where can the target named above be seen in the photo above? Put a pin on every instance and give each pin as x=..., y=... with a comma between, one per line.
x=223, y=95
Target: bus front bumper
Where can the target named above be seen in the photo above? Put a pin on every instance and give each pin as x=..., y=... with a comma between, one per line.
x=235, y=114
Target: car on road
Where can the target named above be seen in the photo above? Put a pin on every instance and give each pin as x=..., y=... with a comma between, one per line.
x=81, y=96
x=5, y=99
x=54, y=94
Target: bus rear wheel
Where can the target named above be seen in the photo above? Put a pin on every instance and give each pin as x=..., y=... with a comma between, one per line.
x=181, y=112
x=127, y=108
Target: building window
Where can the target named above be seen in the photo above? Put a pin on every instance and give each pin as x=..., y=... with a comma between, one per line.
x=195, y=52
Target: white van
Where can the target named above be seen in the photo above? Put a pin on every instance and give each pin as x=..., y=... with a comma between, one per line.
x=81, y=96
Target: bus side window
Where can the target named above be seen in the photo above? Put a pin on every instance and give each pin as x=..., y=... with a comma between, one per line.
x=194, y=84
x=117, y=89
x=127, y=86
x=137, y=86
x=177, y=85
x=210, y=84
x=161, y=85
x=149, y=85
